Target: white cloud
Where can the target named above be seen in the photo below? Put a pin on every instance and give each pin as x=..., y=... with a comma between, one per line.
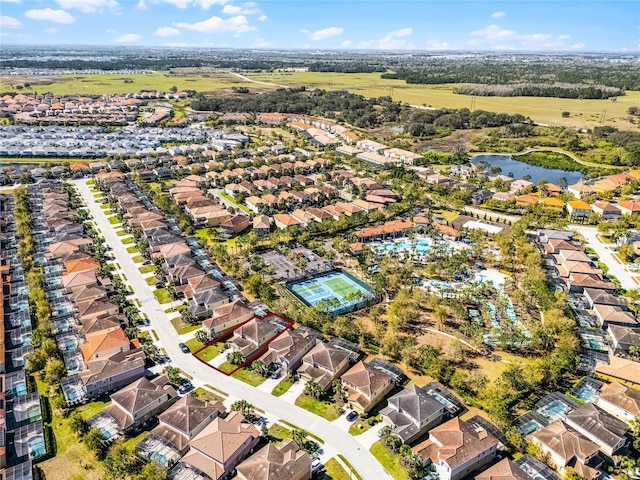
x=395, y=40
x=237, y=25
x=262, y=18
x=205, y=4
x=48, y=14
x=9, y=1
x=346, y=43
x=128, y=38
x=51, y=30
x=249, y=8
x=433, y=44
x=166, y=31
x=9, y=22
x=499, y=14
x=142, y=5
x=323, y=34
x=576, y=46
x=499, y=38
x=87, y=6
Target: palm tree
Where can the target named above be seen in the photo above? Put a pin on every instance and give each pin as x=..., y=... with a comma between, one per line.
x=313, y=389
x=202, y=336
x=235, y=358
x=300, y=437
x=260, y=368
x=244, y=407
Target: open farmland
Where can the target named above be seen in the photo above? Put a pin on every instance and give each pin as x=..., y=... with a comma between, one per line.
x=94, y=84
x=584, y=113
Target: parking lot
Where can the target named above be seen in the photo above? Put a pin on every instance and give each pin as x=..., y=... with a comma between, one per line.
x=284, y=267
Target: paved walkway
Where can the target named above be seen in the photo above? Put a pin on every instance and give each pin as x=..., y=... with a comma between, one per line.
x=276, y=407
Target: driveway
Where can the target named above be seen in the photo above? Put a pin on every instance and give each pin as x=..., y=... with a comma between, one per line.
x=605, y=252
x=359, y=457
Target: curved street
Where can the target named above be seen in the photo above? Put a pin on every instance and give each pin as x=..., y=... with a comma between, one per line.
x=338, y=440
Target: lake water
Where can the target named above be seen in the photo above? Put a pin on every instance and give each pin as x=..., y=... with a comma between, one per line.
x=520, y=169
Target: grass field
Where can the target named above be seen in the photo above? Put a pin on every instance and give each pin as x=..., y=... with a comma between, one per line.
x=152, y=279
x=211, y=352
x=115, y=83
x=206, y=395
x=231, y=200
x=544, y=110
x=281, y=388
x=128, y=240
x=138, y=259
x=390, y=461
x=133, y=249
x=147, y=269
x=334, y=471
x=249, y=377
x=327, y=410
x=162, y=294
x=182, y=327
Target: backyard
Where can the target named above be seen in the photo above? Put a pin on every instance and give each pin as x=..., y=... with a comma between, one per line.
x=390, y=461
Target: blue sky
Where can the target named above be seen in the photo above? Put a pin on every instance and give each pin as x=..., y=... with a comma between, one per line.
x=325, y=24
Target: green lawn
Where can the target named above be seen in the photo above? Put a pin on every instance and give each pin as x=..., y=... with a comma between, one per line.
x=121, y=233
x=113, y=220
x=226, y=367
x=281, y=388
x=194, y=345
x=390, y=461
x=162, y=294
x=229, y=198
x=206, y=396
x=327, y=410
x=180, y=326
x=105, y=206
x=147, y=269
x=248, y=376
x=133, y=249
x=151, y=280
x=211, y=352
x=359, y=426
x=334, y=471
x=91, y=182
x=279, y=432
x=128, y=240
x=138, y=259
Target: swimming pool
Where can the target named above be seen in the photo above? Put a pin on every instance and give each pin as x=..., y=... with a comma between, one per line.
x=20, y=389
x=529, y=427
x=36, y=446
x=159, y=458
x=553, y=410
x=421, y=246
x=585, y=392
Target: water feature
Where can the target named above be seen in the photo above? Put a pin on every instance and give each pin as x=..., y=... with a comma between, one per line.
x=519, y=169
x=421, y=246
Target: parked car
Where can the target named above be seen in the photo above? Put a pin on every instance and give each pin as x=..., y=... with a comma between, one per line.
x=185, y=387
x=159, y=285
x=352, y=415
x=184, y=348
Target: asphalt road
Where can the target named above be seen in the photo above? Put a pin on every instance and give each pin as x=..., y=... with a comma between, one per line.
x=360, y=458
x=606, y=255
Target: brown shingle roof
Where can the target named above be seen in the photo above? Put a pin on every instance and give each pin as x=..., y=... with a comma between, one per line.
x=272, y=462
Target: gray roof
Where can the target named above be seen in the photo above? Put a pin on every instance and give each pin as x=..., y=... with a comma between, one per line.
x=605, y=427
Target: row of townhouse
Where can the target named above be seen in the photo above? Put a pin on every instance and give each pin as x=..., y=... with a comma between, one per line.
x=203, y=210
x=21, y=427
x=192, y=278
x=88, y=323
x=604, y=185
x=378, y=154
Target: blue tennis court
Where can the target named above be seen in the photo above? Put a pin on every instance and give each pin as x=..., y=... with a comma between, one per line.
x=337, y=292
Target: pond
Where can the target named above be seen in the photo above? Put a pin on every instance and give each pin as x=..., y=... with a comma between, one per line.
x=519, y=169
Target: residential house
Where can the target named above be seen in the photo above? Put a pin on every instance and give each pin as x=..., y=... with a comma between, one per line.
x=578, y=210
x=606, y=210
x=136, y=404
x=284, y=220
x=323, y=364
x=106, y=375
x=456, y=449
x=285, y=352
x=412, y=412
x=105, y=343
x=580, y=189
x=254, y=335
x=178, y=425
x=222, y=445
x=226, y=317
x=567, y=447
x=519, y=185
x=628, y=207
x=622, y=339
x=600, y=427
x=611, y=315
x=602, y=297
x=234, y=226
x=619, y=369
x=276, y=462
x=620, y=401
x=505, y=469
x=365, y=386
x=261, y=224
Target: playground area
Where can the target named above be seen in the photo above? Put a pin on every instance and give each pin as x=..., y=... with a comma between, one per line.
x=338, y=292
